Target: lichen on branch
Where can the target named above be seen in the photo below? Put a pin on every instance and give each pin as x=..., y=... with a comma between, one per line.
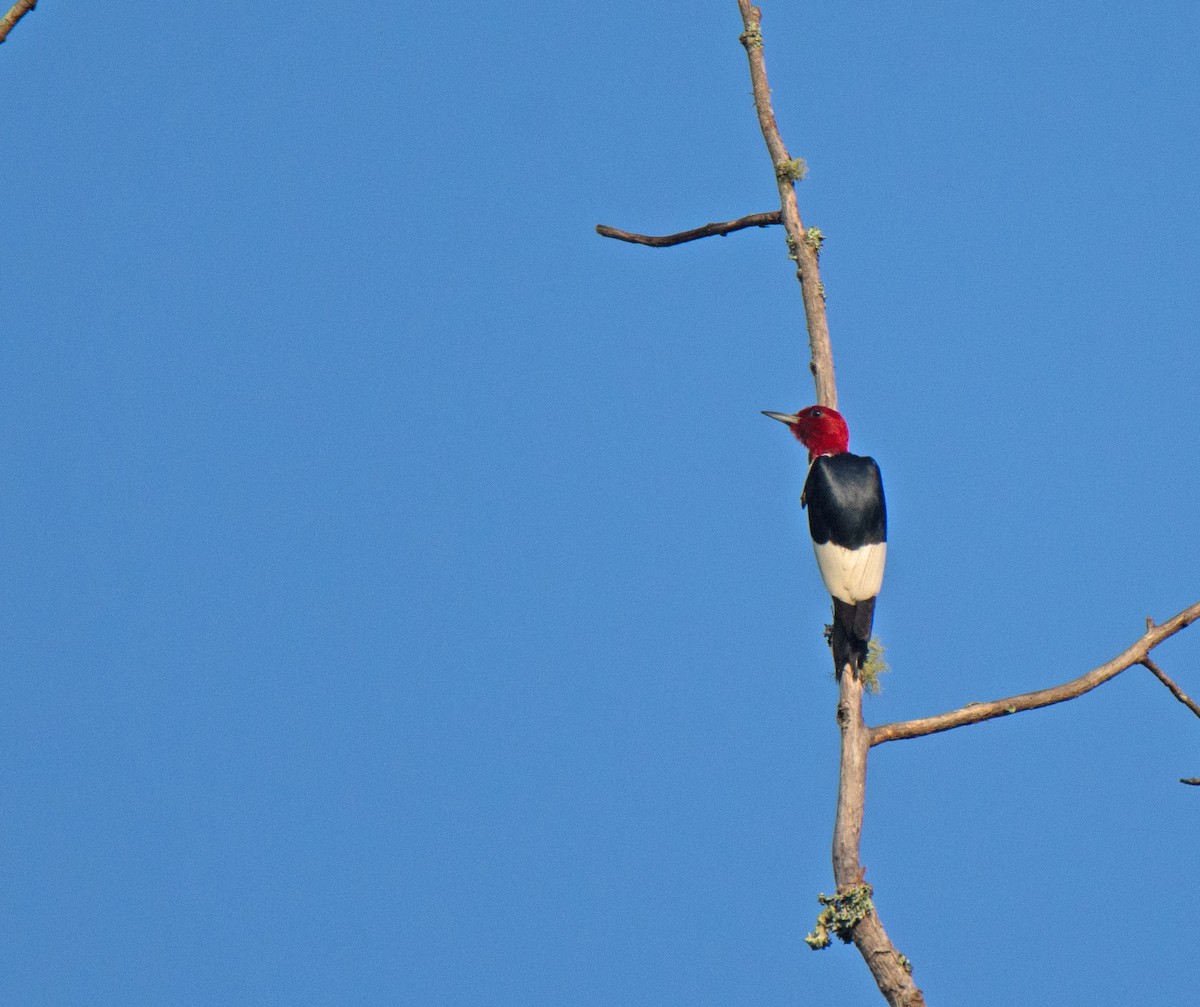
x=842, y=913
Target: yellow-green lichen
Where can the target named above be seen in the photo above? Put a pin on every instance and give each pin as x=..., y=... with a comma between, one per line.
x=842, y=913
x=874, y=666
x=795, y=169
x=751, y=38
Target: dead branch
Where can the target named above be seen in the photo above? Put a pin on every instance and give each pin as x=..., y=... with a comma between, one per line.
x=974, y=713
x=15, y=13
x=850, y=913
x=707, y=231
x=802, y=246
x=1177, y=692
x=890, y=969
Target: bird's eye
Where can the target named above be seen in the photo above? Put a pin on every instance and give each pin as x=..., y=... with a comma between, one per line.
x=816, y=412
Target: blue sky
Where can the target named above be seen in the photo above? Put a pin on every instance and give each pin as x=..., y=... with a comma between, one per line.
x=404, y=600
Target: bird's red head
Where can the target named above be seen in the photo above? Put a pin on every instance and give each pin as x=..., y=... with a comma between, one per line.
x=820, y=429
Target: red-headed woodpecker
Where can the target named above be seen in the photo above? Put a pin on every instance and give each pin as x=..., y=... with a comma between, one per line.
x=847, y=518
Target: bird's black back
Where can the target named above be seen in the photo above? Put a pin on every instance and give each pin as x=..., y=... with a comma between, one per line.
x=844, y=497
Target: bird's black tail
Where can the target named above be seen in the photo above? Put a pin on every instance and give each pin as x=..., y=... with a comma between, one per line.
x=852, y=632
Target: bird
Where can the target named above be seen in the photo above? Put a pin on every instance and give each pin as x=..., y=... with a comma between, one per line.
x=847, y=518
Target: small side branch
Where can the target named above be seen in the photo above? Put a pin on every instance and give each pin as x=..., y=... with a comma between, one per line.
x=1177, y=692
x=707, y=231
x=977, y=712
x=15, y=13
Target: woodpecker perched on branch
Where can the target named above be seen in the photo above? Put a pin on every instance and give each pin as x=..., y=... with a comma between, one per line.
x=847, y=518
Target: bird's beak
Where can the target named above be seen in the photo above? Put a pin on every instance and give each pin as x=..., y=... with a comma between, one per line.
x=789, y=418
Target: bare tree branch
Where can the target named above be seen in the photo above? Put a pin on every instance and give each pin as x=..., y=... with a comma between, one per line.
x=707, y=231
x=977, y=712
x=802, y=245
x=851, y=914
x=15, y=13
x=1177, y=692
x=1191, y=781
x=890, y=969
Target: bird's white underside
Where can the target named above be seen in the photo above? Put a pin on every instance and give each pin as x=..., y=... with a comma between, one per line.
x=851, y=575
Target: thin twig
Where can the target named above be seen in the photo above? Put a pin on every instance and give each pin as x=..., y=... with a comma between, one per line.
x=707, y=231
x=1177, y=692
x=800, y=247
x=977, y=712
x=15, y=13
x=1191, y=781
